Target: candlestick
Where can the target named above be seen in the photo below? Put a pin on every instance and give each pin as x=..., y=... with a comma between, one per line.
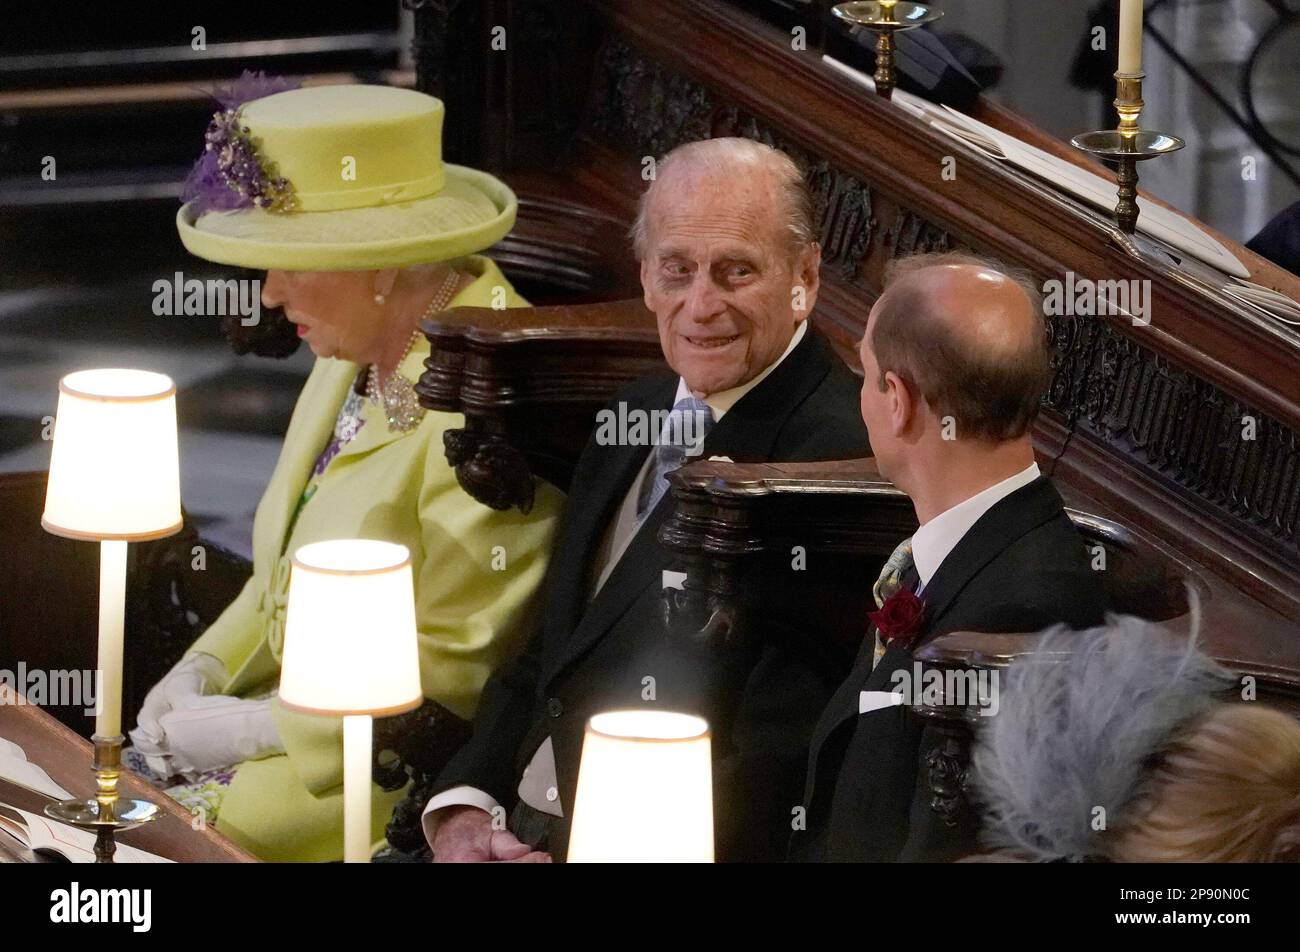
x=886, y=18
x=108, y=813
x=1130, y=36
x=1127, y=144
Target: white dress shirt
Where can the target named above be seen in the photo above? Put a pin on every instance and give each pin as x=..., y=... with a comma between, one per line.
x=932, y=543
x=538, y=786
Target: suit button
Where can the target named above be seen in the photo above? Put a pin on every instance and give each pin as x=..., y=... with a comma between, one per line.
x=554, y=707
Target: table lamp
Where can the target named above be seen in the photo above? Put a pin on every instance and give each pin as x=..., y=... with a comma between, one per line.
x=350, y=650
x=114, y=478
x=645, y=790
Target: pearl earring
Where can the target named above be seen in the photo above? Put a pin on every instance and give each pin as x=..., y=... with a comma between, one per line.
x=380, y=299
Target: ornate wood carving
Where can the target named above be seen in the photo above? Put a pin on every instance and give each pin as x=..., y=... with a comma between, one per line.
x=413, y=748
x=650, y=110
x=945, y=767
x=490, y=469
x=1237, y=461
x=171, y=600
x=732, y=521
x=429, y=43
x=810, y=531
x=529, y=382
x=472, y=55
x=911, y=234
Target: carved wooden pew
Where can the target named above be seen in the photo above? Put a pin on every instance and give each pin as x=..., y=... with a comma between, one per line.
x=735, y=527
x=529, y=386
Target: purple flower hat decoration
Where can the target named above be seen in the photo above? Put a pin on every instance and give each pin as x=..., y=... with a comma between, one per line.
x=231, y=173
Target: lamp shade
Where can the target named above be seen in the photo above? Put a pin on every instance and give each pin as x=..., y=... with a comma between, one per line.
x=645, y=790
x=350, y=638
x=114, y=467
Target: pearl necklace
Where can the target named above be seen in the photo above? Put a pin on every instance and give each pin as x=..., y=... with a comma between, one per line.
x=396, y=397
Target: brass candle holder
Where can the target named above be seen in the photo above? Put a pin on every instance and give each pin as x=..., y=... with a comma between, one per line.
x=107, y=814
x=1127, y=144
x=886, y=18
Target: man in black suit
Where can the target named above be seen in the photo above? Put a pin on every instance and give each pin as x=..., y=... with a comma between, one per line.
x=955, y=361
x=729, y=264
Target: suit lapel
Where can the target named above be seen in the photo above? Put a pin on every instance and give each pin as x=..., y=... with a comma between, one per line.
x=591, y=508
x=748, y=432
x=996, y=531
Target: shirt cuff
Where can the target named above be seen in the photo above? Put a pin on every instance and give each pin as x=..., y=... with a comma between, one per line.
x=462, y=796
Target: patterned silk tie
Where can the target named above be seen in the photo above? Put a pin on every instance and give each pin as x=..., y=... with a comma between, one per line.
x=685, y=430
x=891, y=577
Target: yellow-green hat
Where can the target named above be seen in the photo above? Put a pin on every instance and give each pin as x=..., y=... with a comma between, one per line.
x=338, y=178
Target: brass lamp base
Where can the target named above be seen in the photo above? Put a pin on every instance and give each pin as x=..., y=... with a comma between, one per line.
x=886, y=18
x=107, y=814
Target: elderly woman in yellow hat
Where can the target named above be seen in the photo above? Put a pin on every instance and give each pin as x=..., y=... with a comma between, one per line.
x=340, y=193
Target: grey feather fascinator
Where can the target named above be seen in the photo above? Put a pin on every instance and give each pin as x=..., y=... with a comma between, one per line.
x=1077, y=720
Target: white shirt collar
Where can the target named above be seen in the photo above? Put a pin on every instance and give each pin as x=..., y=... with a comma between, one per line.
x=937, y=538
x=724, y=400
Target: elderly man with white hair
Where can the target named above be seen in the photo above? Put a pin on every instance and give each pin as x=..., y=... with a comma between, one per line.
x=729, y=265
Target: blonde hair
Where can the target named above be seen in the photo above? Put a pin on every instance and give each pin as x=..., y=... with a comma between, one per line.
x=1225, y=789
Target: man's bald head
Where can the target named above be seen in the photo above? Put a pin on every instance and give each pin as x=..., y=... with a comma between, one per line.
x=966, y=334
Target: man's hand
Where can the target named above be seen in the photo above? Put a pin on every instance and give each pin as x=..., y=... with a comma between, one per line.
x=465, y=835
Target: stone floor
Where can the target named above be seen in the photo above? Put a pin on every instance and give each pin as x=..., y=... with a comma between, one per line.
x=69, y=312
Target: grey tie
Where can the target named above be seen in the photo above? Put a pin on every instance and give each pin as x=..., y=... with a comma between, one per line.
x=683, y=435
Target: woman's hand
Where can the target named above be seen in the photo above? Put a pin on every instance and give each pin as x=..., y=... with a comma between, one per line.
x=194, y=676
x=219, y=731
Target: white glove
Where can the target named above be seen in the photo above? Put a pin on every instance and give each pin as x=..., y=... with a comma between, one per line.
x=219, y=731
x=194, y=676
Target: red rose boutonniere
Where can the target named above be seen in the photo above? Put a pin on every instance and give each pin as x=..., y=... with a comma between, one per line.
x=900, y=619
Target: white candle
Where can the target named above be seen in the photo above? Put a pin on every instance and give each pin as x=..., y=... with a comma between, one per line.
x=112, y=612
x=357, y=744
x=1130, y=36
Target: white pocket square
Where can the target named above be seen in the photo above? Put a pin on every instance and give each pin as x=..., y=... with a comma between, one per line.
x=673, y=579
x=869, y=701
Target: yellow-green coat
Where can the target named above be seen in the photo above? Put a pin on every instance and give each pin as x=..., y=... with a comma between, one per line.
x=471, y=613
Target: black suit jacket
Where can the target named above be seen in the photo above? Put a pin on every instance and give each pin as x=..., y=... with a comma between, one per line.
x=588, y=657
x=1022, y=567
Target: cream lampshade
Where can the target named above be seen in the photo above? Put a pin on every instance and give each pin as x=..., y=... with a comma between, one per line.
x=114, y=471
x=645, y=790
x=349, y=636
x=114, y=477
x=350, y=649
